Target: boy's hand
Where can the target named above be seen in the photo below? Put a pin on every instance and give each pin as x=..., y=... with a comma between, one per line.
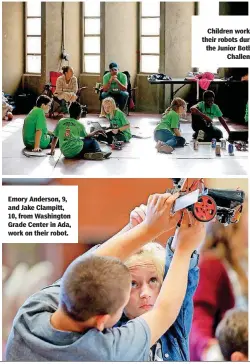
x=208, y=119
x=36, y=150
x=138, y=215
x=115, y=131
x=188, y=238
x=100, y=132
x=51, y=153
x=158, y=215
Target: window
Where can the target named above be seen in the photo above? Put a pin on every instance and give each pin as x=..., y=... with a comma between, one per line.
x=92, y=29
x=33, y=37
x=210, y=8
x=150, y=37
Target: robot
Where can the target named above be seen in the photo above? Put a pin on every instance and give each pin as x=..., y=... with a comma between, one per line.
x=241, y=146
x=205, y=204
x=118, y=145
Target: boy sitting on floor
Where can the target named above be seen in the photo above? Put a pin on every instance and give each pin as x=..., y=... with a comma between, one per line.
x=232, y=334
x=203, y=114
x=35, y=133
x=74, y=142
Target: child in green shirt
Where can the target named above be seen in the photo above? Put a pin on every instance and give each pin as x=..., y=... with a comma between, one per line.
x=74, y=142
x=167, y=133
x=119, y=125
x=203, y=114
x=35, y=132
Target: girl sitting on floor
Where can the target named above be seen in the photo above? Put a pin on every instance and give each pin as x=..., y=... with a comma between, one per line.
x=119, y=125
x=167, y=133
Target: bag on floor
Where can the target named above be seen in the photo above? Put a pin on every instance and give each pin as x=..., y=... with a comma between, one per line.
x=24, y=103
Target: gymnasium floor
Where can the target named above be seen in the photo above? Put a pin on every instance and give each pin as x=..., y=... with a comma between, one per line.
x=138, y=158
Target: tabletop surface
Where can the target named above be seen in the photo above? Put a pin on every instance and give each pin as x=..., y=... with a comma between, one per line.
x=183, y=81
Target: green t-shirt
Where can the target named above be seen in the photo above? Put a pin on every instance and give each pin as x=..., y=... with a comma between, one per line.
x=246, y=114
x=114, y=87
x=119, y=120
x=34, y=121
x=69, y=131
x=213, y=111
x=169, y=121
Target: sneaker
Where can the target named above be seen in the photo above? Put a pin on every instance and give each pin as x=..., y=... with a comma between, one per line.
x=165, y=149
x=95, y=156
x=200, y=136
x=106, y=155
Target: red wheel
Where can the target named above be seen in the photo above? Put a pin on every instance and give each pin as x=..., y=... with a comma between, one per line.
x=205, y=209
x=237, y=215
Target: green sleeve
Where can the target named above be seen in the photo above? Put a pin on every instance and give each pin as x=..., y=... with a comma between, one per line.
x=246, y=114
x=174, y=121
x=40, y=120
x=123, y=79
x=106, y=78
x=83, y=133
x=217, y=112
x=123, y=119
x=199, y=106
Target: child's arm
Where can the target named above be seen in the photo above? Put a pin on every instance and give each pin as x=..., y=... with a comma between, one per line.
x=171, y=296
x=158, y=220
x=124, y=124
x=224, y=124
x=53, y=145
x=96, y=132
x=125, y=127
x=37, y=141
x=176, y=132
x=194, y=110
x=183, y=322
x=121, y=128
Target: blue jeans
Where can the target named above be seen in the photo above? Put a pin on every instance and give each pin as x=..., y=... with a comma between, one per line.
x=90, y=145
x=167, y=137
x=120, y=97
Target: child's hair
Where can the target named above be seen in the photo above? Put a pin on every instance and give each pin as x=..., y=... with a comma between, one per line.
x=232, y=333
x=43, y=99
x=75, y=110
x=66, y=68
x=94, y=285
x=175, y=104
x=112, y=101
x=207, y=94
x=151, y=252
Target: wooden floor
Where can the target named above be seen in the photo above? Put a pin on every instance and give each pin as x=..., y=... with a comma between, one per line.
x=138, y=158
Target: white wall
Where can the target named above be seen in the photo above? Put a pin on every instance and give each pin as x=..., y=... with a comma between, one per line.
x=121, y=35
x=178, y=38
x=12, y=45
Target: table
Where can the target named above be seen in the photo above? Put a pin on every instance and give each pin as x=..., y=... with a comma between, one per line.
x=183, y=82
